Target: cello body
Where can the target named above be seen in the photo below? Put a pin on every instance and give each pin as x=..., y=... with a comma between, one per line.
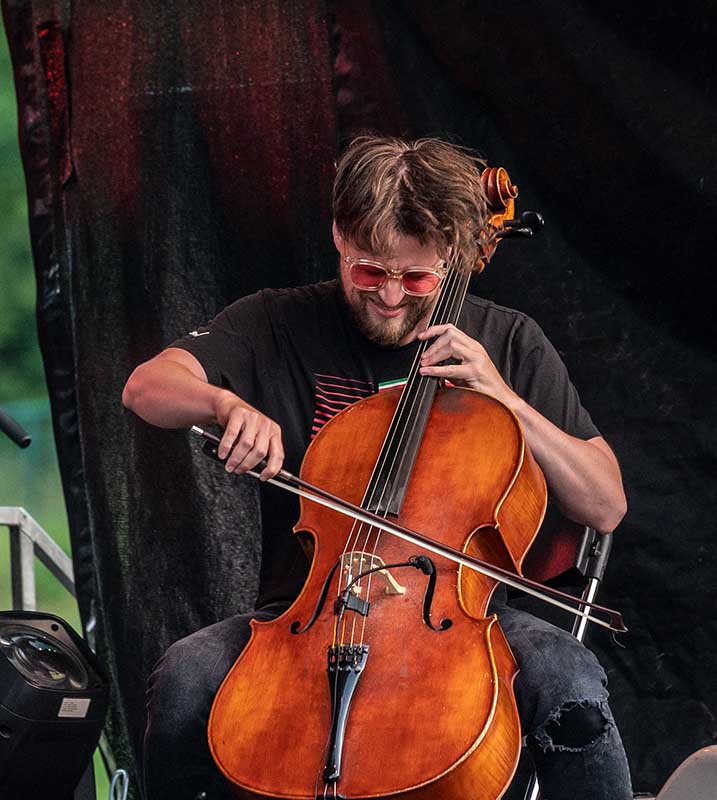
x=432, y=714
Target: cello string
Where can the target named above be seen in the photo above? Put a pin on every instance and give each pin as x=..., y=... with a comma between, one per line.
x=417, y=387
x=453, y=291
x=415, y=394
x=404, y=412
x=449, y=303
x=409, y=397
x=405, y=407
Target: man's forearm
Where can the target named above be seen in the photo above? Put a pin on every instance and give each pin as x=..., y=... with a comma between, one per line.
x=167, y=394
x=172, y=391
x=583, y=476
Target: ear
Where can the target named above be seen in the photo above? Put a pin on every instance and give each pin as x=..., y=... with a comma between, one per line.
x=338, y=238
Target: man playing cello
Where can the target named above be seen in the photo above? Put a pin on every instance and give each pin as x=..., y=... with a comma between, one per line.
x=272, y=368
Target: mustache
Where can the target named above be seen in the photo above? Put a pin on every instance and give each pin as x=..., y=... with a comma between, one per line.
x=376, y=302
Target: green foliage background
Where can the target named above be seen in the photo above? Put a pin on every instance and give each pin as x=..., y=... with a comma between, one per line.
x=28, y=478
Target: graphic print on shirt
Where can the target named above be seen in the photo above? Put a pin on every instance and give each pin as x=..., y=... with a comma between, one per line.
x=333, y=393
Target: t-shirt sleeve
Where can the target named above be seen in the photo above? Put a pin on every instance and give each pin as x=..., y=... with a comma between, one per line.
x=541, y=378
x=226, y=347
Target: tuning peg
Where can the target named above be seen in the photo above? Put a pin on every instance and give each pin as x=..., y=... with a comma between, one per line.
x=532, y=220
x=528, y=219
x=513, y=232
x=528, y=225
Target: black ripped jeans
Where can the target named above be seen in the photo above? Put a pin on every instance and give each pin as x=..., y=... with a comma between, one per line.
x=560, y=691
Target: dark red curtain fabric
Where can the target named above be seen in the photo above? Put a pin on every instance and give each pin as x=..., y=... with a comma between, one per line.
x=179, y=156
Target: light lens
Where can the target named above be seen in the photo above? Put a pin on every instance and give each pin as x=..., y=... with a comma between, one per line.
x=41, y=659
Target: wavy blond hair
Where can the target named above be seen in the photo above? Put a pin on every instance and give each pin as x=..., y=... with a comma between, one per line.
x=427, y=188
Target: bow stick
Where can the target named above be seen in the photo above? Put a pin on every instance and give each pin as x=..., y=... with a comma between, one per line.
x=290, y=483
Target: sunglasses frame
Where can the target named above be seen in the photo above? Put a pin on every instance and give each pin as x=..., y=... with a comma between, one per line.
x=352, y=261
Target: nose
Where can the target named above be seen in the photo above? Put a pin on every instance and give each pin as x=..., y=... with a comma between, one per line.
x=391, y=293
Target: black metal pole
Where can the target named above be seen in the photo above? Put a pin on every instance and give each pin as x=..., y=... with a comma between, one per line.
x=14, y=430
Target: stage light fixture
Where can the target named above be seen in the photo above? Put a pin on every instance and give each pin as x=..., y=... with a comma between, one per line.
x=53, y=700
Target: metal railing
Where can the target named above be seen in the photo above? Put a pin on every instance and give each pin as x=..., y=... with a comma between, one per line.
x=29, y=540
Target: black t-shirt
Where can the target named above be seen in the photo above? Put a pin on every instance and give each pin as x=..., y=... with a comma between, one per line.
x=296, y=355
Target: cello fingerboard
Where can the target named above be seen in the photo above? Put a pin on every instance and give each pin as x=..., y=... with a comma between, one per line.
x=389, y=482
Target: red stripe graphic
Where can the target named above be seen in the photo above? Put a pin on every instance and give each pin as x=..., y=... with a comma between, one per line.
x=331, y=400
x=346, y=381
x=333, y=394
x=353, y=389
x=352, y=397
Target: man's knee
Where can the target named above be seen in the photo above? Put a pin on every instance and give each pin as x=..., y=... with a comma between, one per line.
x=574, y=727
x=557, y=674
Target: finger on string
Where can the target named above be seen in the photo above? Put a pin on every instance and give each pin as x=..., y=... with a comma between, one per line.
x=442, y=344
x=451, y=348
x=455, y=372
x=434, y=330
x=437, y=353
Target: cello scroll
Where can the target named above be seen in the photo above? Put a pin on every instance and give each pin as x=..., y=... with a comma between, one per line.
x=501, y=193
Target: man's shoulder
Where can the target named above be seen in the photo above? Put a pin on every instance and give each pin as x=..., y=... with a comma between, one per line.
x=484, y=306
x=487, y=316
x=310, y=294
x=279, y=302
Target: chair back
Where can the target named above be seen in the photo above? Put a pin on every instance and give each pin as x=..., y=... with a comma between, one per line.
x=563, y=546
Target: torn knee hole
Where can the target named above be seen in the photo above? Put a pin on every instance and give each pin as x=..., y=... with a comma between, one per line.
x=576, y=726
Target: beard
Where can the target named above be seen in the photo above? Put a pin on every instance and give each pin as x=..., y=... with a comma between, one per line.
x=385, y=332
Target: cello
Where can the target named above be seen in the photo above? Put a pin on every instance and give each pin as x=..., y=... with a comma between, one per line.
x=386, y=677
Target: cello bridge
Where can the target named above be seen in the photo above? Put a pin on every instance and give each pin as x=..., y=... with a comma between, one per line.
x=358, y=562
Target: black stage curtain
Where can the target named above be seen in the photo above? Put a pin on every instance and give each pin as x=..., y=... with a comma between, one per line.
x=179, y=155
